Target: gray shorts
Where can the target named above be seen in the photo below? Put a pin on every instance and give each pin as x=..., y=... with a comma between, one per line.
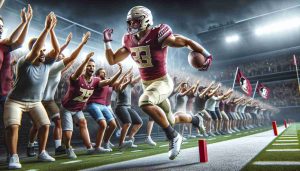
x=67, y=118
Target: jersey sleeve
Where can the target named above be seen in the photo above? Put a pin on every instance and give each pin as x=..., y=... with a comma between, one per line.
x=164, y=32
x=57, y=66
x=125, y=42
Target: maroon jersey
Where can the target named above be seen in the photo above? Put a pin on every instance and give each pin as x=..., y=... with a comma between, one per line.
x=148, y=52
x=78, y=93
x=99, y=96
x=108, y=97
x=6, y=75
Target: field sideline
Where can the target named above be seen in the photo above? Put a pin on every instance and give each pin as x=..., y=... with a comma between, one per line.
x=88, y=161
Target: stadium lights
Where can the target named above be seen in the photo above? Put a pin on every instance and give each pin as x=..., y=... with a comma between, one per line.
x=278, y=26
x=232, y=38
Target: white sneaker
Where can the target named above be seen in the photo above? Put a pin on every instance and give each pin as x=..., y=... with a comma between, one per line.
x=90, y=150
x=107, y=146
x=14, y=162
x=101, y=150
x=45, y=157
x=174, y=146
x=111, y=145
x=126, y=144
x=70, y=153
x=134, y=146
x=148, y=140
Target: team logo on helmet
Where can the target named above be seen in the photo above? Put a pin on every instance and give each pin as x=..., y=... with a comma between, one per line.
x=139, y=18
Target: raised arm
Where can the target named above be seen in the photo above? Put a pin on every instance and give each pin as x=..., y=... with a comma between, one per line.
x=214, y=90
x=238, y=100
x=126, y=81
x=70, y=60
x=113, y=79
x=186, y=91
x=118, y=83
x=195, y=87
x=17, y=38
x=54, y=52
x=112, y=57
x=206, y=90
x=38, y=45
x=68, y=40
x=80, y=69
x=222, y=97
x=178, y=87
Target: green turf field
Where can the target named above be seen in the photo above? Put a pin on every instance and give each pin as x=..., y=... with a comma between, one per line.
x=88, y=161
x=290, y=135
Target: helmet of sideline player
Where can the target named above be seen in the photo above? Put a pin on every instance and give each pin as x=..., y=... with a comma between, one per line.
x=139, y=18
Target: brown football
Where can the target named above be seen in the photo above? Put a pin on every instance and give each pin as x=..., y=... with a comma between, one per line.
x=196, y=59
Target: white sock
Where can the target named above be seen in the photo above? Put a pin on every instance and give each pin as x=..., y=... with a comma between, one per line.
x=57, y=143
x=30, y=144
x=43, y=151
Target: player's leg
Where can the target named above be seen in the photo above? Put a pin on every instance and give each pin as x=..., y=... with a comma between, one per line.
x=80, y=120
x=148, y=139
x=67, y=128
x=124, y=116
x=137, y=123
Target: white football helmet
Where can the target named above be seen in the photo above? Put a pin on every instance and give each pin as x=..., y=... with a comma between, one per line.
x=138, y=19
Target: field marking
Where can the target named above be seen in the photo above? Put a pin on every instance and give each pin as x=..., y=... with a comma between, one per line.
x=283, y=150
x=286, y=140
x=165, y=145
x=278, y=163
x=134, y=151
x=185, y=142
x=227, y=136
x=33, y=170
x=70, y=162
x=285, y=144
x=211, y=139
x=117, y=153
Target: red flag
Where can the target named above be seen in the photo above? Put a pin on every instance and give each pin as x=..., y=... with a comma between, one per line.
x=295, y=60
x=263, y=91
x=244, y=83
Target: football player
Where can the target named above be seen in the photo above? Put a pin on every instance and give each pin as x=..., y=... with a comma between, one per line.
x=147, y=46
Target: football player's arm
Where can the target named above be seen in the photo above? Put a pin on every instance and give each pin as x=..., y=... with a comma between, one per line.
x=70, y=60
x=119, y=55
x=113, y=79
x=54, y=52
x=80, y=69
x=38, y=45
x=1, y=3
x=17, y=38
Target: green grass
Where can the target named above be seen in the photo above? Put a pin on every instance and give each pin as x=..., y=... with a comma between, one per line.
x=89, y=161
x=277, y=156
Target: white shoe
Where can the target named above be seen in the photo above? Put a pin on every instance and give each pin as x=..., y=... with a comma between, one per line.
x=149, y=141
x=184, y=139
x=14, y=162
x=101, y=150
x=70, y=153
x=111, y=145
x=45, y=157
x=174, y=146
x=134, y=146
x=90, y=150
x=107, y=146
x=126, y=144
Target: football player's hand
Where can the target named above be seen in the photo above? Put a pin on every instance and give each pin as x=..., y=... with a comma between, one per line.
x=107, y=35
x=207, y=64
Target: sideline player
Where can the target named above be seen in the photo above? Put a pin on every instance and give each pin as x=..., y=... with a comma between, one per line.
x=148, y=47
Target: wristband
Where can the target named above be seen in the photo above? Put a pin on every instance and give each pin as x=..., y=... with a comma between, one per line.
x=205, y=53
x=107, y=45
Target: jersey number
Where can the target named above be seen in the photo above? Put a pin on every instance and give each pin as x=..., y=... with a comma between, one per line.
x=84, y=96
x=142, y=56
